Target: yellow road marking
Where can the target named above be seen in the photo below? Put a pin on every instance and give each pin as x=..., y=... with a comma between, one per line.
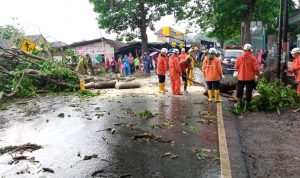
x=224, y=158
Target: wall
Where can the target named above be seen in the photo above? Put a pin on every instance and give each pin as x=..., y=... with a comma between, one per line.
x=95, y=49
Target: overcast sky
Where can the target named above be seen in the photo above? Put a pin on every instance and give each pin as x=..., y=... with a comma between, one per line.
x=62, y=20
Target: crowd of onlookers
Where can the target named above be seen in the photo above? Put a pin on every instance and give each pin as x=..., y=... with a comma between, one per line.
x=129, y=64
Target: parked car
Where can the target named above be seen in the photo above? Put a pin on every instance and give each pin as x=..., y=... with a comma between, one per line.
x=229, y=57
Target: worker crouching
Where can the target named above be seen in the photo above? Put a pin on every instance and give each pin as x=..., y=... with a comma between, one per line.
x=185, y=66
x=175, y=72
x=162, y=67
x=212, y=71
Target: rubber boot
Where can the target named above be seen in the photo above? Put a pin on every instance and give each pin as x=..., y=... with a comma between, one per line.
x=247, y=106
x=210, y=95
x=161, y=88
x=164, y=87
x=217, y=96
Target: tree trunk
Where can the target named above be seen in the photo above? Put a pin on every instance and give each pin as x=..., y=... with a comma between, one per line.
x=247, y=20
x=246, y=29
x=143, y=28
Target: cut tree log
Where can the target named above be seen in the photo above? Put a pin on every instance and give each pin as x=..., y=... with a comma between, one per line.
x=128, y=85
x=89, y=85
x=103, y=85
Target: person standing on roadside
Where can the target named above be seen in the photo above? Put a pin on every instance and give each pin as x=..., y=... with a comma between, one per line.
x=247, y=69
x=90, y=63
x=126, y=65
x=175, y=72
x=296, y=67
x=162, y=67
x=212, y=71
x=82, y=66
x=131, y=63
x=147, y=62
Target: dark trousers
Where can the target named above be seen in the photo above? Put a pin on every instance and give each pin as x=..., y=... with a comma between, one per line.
x=213, y=85
x=161, y=78
x=249, y=88
x=184, y=79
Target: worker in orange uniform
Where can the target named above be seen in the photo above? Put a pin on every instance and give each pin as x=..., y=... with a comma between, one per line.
x=192, y=54
x=175, y=72
x=212, y=71
x=162, y=66
x=183, y=55
x=296, y=66
x=185, y=67
x=247, y=69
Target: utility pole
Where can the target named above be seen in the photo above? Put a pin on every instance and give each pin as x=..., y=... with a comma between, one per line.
x=280, y=39
x=284, y=38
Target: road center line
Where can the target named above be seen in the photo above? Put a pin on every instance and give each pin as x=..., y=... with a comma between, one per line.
x=224, y=158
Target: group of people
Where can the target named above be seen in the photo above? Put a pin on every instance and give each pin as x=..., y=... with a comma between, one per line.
x=128, y=64
x=179, y=65
x=183, y=65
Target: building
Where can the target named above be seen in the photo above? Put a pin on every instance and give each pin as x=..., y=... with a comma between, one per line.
x=171, y=36
x=99, y=48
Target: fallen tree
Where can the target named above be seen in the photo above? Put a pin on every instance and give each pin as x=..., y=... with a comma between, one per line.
x=23, y=74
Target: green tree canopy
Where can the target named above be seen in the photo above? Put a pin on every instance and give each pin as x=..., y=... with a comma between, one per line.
x=223, y=18
x=130, y=18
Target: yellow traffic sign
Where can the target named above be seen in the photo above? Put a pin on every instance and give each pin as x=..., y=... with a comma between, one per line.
x=27, y=46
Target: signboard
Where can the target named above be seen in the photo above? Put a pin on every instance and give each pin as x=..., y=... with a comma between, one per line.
x=27, y=46
x=171, y=32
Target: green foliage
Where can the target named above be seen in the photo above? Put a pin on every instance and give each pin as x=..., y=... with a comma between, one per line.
x=13, y=34
x=57, y=70
x=70, y=52
x=275, y=96
x=27, y=88
x=87, y=93
x=130, y=18
x=102, y=71
x=145, y=113
x=61, y=115
x=222, y=18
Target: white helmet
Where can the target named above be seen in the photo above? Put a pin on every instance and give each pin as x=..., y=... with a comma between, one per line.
x=247, y=47
x=212, y=51
x=295, y=50
x=176, y=51
x=164, y=50
x=183, y=50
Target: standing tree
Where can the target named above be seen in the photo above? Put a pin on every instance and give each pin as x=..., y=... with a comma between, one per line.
x=130, y=18
x=224, y=17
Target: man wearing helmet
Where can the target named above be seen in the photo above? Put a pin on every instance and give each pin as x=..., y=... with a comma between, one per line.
x=183, y=55
x=192, y=54
x=212, y=71
x=296, y=66
x=247, y=68
x=162, y=66
x=175, y=72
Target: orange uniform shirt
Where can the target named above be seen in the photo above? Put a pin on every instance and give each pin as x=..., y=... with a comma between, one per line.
x=174, y=65
x=212, y=69
x=182, y=56
x=246, y=66
x=162, y=65
x=296, y=67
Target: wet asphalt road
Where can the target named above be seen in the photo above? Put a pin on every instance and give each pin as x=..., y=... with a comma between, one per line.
x=66, y=141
